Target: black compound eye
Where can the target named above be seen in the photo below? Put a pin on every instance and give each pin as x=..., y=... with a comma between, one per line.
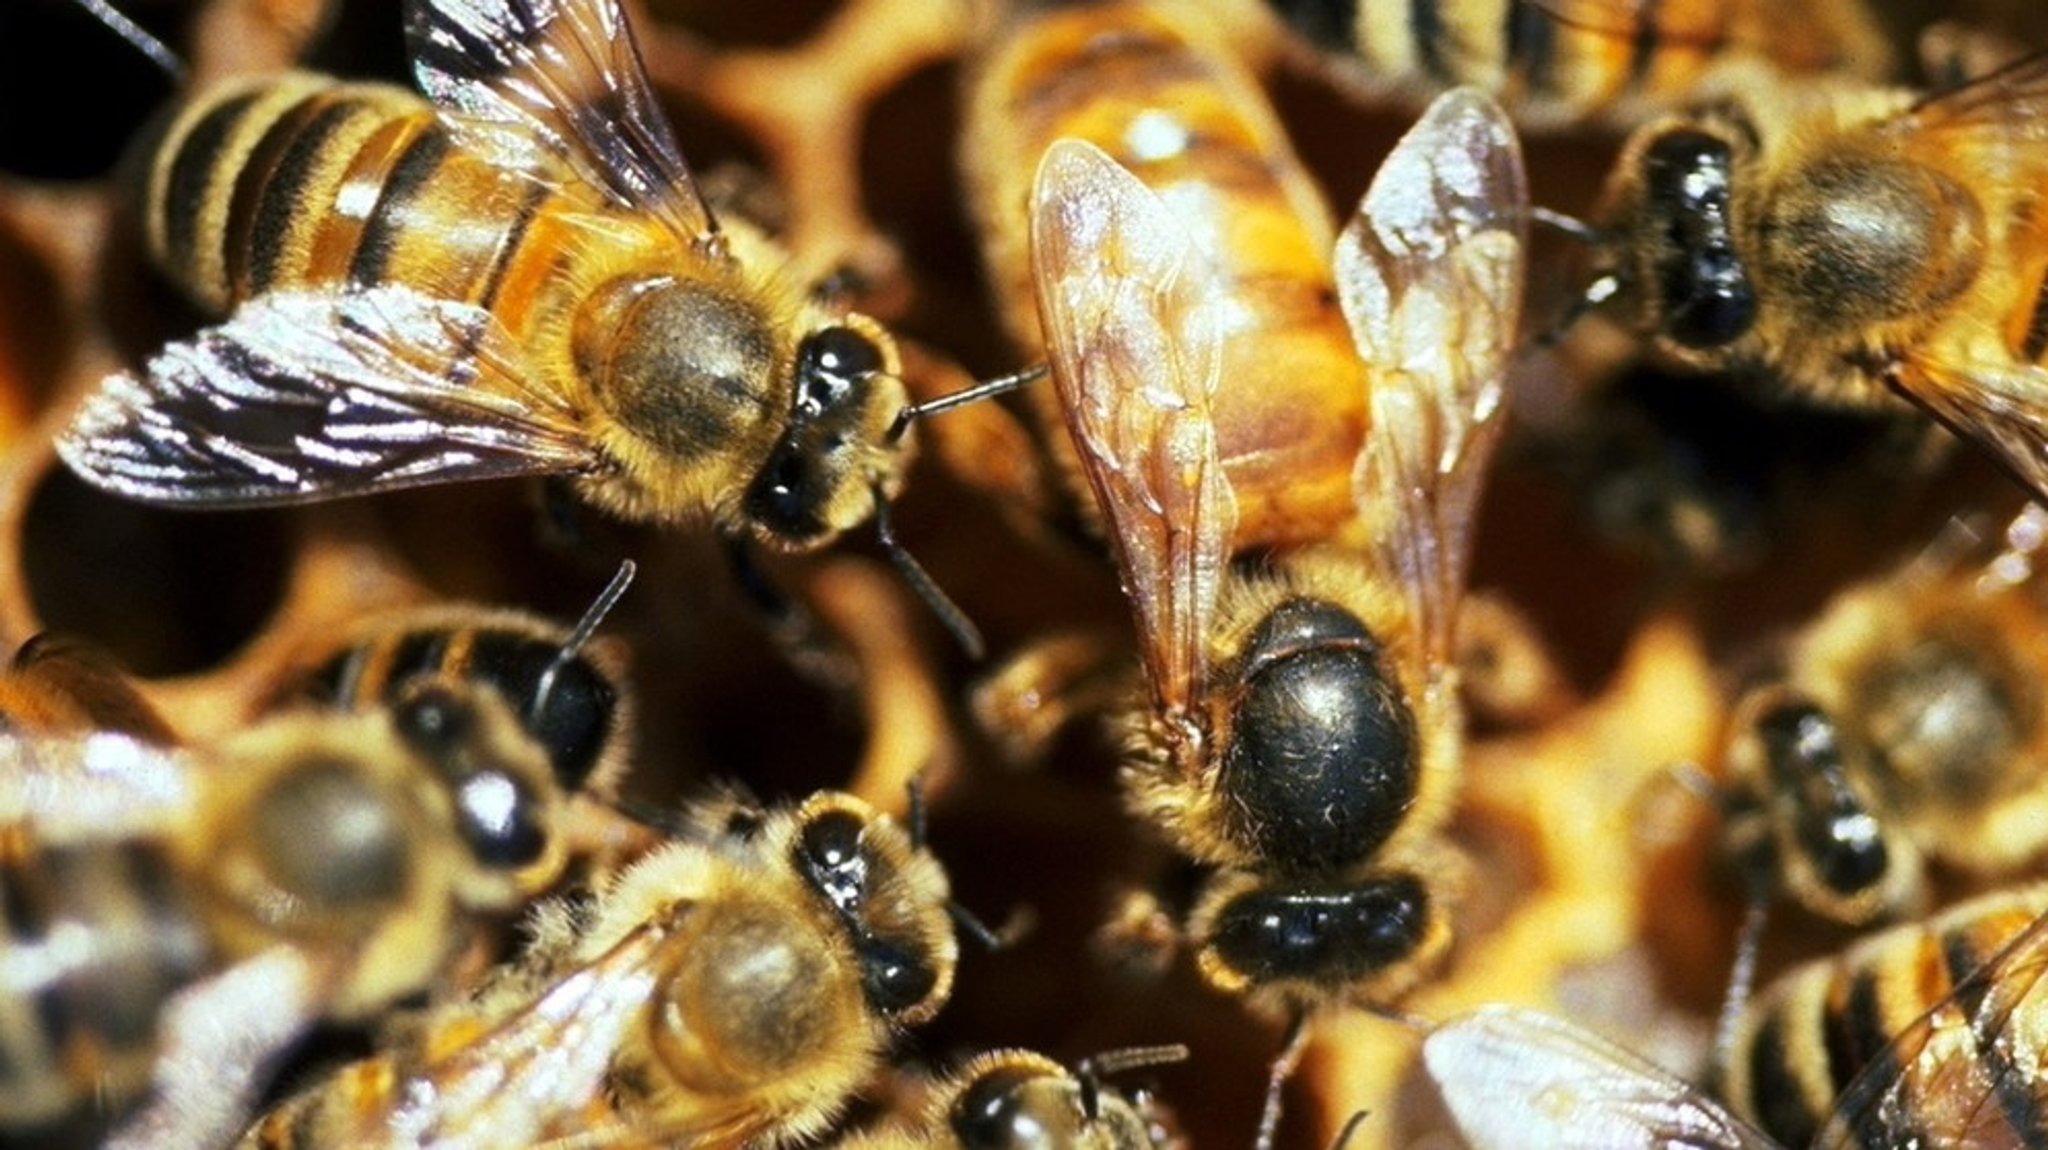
x=1708, y=299
x=788, y=492
x=434, y=720
x=500, y=820
x=829, y=365
x=893, y=979
x=832, y=858
x=990, y=1114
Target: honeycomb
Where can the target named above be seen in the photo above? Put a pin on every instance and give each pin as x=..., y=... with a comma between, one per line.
x=1619, y=593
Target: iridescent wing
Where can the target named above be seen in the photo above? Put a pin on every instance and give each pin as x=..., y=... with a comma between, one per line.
x=1132, y=316
x=2001, y=407
x=535, y=83
x=1514, y=1078
x=311, y=395
x=1973, y=1071
x=1429, y=272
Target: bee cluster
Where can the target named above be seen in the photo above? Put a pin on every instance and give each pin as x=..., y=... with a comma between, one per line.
x=1745, y=627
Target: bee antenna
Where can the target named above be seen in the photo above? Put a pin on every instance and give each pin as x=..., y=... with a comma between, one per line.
x=1091, y=1071
x=587, y=626
x=120, y=25
x=986, y=389
x=1282, y=1069
x=1569, y=226
x=968, y=923
x=1742, y=975
x=1351, y=1126
x=950, y=615
x=1597, y=293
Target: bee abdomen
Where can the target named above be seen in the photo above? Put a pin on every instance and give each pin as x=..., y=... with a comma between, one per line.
x=96, y=941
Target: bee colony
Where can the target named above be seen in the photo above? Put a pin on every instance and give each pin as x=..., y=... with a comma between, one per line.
x=1349, y=634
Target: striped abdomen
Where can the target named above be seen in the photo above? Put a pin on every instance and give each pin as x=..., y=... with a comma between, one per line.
x=97, y=938
x=580, y=723
x=1567, y=60
x=1816, y=1029
x=1179, y=112
x=300, y=180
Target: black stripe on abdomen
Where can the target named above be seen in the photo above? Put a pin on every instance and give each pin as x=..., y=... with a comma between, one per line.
x=410, y=175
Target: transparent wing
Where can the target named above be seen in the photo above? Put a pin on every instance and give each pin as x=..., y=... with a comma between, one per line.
x=2000, y=407
x=1132, y=317
x=93, y=787
x=84, y=677
x=1429, y=272
x=311, y=395
x=1514, y=1078
x=540, y=82
x=2008, y=102
x=1972, y=1072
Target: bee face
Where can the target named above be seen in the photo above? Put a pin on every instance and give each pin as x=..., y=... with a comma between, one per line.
x=536, y=288
x=1690, y=264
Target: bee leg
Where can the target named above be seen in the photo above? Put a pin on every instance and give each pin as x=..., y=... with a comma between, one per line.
x=1742, y=975
x=792, y=628
x=1284, y=1065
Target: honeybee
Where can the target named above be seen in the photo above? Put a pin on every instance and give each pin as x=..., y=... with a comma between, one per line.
x=1303, y=731
x=1923, y=1035
x=571, y=698
x=174, y=918
x=1012, y=1099
x=1906, y=728
x=735, y=986
x=1163, y=97
x=1555, y=63
x=1855, y=242
x=519, y=277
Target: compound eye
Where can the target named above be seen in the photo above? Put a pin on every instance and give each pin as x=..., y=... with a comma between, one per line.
x=1323, y=935
x=500, y=820
x=832, y=858
x=829, y=364
x=434, y=721
x=893, y=979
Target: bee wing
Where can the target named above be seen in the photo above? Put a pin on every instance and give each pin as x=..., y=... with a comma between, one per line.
x=1132, y=317
x=83, y=674
x=1429, y=272
x=1973, y=1071
x=2002, y=407
x=541, y=1069
x=93, y=787
x=2004, y=102
x=1515, y=1078
x=309, y=395
x=222, y=1038
x=564, y=75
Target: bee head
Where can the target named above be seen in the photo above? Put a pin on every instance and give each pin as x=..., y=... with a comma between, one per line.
x=1307, y=941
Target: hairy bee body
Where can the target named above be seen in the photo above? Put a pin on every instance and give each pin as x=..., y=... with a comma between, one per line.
x=1554, y=63
x=736, y=985
x=516, y=276
x=1017, y=1100
x=316, y=866
x=1922, y=1016
x=1157, y=93
x=1859, y=244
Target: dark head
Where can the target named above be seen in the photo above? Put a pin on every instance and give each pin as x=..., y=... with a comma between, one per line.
x=889, y=895
x=1017, y=1100
x=1688, y=262
x=1305, y=942
x=1322, y=759
x=836, y=450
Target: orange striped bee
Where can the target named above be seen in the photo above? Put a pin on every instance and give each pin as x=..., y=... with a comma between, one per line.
x=733, y=987
x=1555, y=63
x=1301, y=731
x=519, y=277
x=1859, y=244
x=1924, y=1035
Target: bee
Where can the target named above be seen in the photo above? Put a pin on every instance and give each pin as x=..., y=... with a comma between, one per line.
x=1162, y=96
x=175, y=917
x=1558, y=63
x=736, y=985
x=515, y=276
x=1856, y=243
x=1906, y=728
x=571, y=699
x=1011, y=1099
x=1922, y=1035
x=1302, y=729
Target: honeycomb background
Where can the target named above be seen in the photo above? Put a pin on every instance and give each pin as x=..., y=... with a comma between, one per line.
x=1643, y=543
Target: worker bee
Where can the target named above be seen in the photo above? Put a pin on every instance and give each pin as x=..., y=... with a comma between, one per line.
x=736, y=985
x=519, y=277
x=1303, y=731
x=1169, y=102
x=1556, y=63
x=1853, y=242
x=572, y=699
x=175, y=917
x=1905, y=729
x=1923, y=1035
x=1012, y=1099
